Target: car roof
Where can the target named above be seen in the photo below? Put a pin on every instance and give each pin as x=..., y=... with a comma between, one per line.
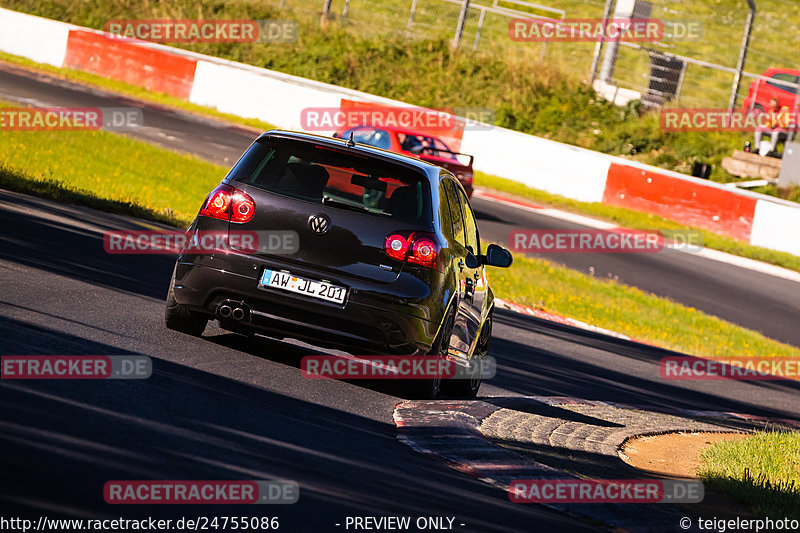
x=396, y=129
x=777, y=70
x=361, y=149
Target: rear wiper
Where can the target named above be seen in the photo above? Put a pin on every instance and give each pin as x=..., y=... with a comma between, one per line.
x=327, y=200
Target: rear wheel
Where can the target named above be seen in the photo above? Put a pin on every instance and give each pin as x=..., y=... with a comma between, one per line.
x=180, y=318
x=430, y=389
x=468, y=388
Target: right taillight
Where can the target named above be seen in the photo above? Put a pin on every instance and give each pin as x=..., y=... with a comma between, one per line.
x=417, y=248
x=228, y=203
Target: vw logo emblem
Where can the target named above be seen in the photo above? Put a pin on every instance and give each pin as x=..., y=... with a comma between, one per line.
x=319, y=224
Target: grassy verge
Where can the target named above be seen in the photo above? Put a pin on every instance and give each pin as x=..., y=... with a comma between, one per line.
x=115, y=173
x=107, y=171
x=762, y=472
x=641, y=315
x=637, y=220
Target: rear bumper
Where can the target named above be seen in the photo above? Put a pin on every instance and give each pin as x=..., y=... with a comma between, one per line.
x=375, y=319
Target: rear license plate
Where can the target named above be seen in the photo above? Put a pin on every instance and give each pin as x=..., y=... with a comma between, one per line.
x=315, y=289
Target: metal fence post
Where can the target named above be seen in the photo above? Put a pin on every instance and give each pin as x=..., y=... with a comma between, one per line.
x=462, y=21
x=411, y=15
x=680, y=83
x=598, y=48
x=737, y=78
x=326, y=9
x=480, y=27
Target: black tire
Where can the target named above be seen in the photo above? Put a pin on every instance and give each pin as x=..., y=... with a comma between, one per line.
x=180, y=318
x=468, y=388
x=430, y=389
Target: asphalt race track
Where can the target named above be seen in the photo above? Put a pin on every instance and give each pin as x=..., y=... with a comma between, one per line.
x=227, y=407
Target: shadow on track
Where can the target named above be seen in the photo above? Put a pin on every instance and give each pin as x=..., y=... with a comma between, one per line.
x=62, y=440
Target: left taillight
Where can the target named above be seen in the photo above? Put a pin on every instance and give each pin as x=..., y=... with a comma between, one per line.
x=417, y=248
x=228, y=203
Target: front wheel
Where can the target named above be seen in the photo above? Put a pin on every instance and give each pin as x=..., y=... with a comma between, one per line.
x=181, y=318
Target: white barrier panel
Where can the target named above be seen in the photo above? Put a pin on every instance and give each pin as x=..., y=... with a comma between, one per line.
x=776, y=226
x=249, y=94
x=38, y=39
x=539, y=163
x=270, y=96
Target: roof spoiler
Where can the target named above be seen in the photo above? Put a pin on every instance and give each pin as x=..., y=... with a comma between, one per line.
x=436, y=151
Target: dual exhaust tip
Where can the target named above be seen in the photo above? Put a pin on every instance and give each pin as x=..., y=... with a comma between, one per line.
x=236, y=311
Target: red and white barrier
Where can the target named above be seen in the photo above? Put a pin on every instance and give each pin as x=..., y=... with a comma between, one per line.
x=38, y=39
x=154, y=68
x=279, y=99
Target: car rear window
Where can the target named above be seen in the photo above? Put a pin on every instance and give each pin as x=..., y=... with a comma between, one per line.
x=335, y=178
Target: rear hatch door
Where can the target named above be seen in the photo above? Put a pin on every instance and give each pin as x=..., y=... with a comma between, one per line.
x=341, y=205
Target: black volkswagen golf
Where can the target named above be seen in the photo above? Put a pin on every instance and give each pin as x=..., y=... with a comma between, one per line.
x=388, y=258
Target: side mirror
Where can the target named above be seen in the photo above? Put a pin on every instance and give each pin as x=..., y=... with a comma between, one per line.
x=471, y=261
x=497, y=256
x=335, y=135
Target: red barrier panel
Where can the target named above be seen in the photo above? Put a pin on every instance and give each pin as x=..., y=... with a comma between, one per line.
x=681, y=200
x=131, y=62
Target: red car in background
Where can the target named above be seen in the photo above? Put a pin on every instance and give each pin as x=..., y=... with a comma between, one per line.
x=421, y=145
x=762, y=91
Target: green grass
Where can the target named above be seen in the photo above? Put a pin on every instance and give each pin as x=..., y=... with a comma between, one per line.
x=643, y=316
x=115, y=173
x=761, y=471
x=638, y=220
x=107, y=171
x=372, y=51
